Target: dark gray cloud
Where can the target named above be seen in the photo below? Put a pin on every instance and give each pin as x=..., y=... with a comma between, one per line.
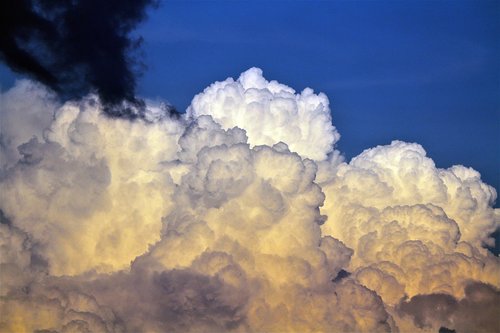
x=75, y=47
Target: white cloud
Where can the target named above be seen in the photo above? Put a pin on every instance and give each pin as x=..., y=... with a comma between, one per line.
x=238, y=216
x=270, y=112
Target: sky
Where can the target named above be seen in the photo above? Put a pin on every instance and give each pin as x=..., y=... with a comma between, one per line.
x=264, y=205
x=419, y=71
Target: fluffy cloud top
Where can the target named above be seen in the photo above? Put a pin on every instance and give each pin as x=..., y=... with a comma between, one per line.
x=270, y=112
x=415, y=229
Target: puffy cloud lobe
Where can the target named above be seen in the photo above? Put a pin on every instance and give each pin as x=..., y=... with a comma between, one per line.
x=213, y=222
x=415, y=229
x=26, y=111
x=93, y=189
x=401, y=174
x=254, y=241
x=32, y=301
x=270, y=112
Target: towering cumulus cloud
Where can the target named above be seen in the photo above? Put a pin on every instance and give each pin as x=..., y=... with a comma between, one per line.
x=239, y=216
x=270, y=112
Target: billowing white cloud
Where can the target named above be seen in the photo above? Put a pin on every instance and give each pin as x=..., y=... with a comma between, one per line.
x=93, y=189
x=238, y=216
x=415, y=229
x=241, y=247
x=270, y=112
x=401, y=174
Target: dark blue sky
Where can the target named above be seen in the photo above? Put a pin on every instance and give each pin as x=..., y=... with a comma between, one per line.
x=424, y=71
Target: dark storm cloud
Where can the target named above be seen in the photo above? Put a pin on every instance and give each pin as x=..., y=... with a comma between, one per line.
x=76, y=47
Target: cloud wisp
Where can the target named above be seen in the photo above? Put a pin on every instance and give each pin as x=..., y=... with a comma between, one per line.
x=239, y=216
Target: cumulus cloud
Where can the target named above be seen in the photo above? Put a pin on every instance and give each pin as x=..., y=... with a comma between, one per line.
x=243, y=244
x=27, y=110
x=415, y=229
x=402, y=174
x=31, y=301
x=238, y=216
x=91, y=187
x=270, y=112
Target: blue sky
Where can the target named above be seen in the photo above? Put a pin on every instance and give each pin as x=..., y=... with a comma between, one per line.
x=424, y=71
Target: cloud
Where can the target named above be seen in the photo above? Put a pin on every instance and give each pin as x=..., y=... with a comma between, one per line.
x=270, y=112
x=27, y=110
x=30, y=301
x=475, y=312
x=243, y=244
x=215, y=222
x=55, y=43
x=415, y=229
x=91, y=189
x=402, y=174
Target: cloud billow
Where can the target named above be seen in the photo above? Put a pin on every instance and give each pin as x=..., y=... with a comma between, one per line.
x=238, y=216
